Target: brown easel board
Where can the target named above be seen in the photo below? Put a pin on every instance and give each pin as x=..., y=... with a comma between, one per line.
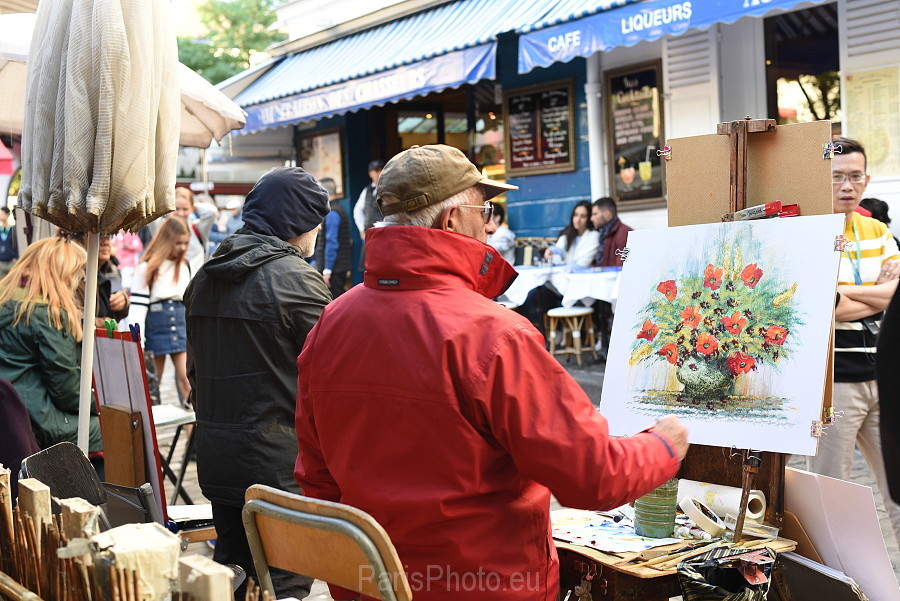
x=785, y=164
x=120, y=381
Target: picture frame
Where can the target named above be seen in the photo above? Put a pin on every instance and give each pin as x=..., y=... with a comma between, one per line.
x=635, y=129
x=540, y=128
x=321, y=153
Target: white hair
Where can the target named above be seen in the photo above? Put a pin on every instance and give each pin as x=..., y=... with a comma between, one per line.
x=426, y=216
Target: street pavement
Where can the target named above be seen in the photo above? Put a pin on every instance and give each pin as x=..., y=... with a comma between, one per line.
x=590, y=377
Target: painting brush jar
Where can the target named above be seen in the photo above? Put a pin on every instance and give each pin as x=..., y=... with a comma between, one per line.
x=654, y=513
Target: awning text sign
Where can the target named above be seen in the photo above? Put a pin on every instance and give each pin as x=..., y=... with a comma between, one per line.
x=423, y=77
x=630, y=24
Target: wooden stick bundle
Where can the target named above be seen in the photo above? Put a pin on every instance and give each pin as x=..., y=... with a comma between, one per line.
x=254, y=592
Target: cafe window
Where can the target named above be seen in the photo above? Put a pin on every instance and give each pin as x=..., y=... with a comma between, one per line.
x=803, y=66
x=418, y=127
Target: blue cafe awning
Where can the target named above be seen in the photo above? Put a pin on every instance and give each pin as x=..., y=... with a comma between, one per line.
x=582, y=27
x=443, y=47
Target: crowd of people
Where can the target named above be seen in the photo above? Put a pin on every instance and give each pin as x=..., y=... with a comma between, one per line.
x=413, y=396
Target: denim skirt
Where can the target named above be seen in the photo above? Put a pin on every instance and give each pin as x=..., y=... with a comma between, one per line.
x=166, y=328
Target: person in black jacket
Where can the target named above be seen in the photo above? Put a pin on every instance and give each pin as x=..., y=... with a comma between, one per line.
x=886, y=363
x=249, y=309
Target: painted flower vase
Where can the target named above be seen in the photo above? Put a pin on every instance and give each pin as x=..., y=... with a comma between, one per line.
x=704, y=377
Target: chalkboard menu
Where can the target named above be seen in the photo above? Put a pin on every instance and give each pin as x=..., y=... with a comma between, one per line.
x=539, y=124
x=635, y=129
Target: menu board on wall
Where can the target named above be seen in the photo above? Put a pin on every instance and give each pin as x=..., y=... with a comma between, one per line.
x=539, y=129
x=635, y=130
x=873, y=117
x=320, y=153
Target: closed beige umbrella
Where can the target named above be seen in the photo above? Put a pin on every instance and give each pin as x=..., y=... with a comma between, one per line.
x=100, y=135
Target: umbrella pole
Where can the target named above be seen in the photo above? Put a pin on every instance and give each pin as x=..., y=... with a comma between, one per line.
x=87, y=342
x=203, y=169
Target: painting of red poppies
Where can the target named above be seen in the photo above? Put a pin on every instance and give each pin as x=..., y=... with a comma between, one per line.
x=727, y=326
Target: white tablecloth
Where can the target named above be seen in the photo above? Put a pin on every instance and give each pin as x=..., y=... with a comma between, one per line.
x=578, y=285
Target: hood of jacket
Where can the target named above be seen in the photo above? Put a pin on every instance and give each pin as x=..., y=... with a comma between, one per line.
x=244, y=251
x=408, y=257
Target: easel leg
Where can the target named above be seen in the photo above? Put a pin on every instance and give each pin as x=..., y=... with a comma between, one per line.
x=751, y=466
x=179, y=489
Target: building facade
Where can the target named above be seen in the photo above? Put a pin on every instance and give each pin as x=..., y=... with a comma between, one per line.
x=569, y=100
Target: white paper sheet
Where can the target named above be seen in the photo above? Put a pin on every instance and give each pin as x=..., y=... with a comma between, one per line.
x=763, y=290
x=842, y=524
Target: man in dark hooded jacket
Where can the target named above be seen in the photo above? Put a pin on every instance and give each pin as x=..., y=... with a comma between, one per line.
x=249, y=310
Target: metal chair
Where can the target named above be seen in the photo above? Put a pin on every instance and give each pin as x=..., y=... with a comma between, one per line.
x=329, y=541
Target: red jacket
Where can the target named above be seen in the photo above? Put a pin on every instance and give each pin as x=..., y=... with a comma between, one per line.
x=616, y=239
x=440, y=413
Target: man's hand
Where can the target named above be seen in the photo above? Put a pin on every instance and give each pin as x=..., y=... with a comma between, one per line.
x=327, y=280
x=672, y=427
x=117, y=301
x=889, y=271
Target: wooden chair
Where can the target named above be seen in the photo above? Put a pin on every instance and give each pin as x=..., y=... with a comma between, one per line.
x=572, y=320
x=329, y=541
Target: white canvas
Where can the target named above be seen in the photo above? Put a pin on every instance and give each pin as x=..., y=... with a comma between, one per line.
x=842, y=524
x=726, y=325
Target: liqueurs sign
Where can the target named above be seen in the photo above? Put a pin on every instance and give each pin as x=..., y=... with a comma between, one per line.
x=649, y=19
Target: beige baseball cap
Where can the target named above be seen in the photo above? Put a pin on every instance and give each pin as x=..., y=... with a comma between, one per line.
x=425, y=175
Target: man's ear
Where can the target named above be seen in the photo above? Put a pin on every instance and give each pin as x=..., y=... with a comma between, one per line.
x=449, y=219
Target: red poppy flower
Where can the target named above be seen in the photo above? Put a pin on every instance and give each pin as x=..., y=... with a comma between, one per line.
x=734, y=324
x=751, y=275
x=691, y=317
x=707, y=344
x=670, y=352
x=712, y=277
x=649, y=330
x=668, y=289
x=776, y=335
x=739, y=363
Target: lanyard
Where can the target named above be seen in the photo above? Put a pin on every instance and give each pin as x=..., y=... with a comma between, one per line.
x=855, y=264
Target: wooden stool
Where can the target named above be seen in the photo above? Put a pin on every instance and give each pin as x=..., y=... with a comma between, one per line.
x=572, y=319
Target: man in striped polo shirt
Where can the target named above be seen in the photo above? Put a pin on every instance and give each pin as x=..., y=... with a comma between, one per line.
x=867, y=281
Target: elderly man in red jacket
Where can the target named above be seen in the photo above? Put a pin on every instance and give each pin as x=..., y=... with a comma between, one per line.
x=440, y=413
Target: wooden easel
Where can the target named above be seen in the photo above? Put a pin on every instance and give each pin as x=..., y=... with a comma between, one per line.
x=747, y=170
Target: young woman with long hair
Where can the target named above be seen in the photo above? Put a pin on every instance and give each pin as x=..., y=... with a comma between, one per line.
x=40, y=336
x=578, y=241
x=576, y=246
x=157, y=292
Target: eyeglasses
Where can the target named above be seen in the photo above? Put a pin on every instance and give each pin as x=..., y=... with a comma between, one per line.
x=487, y=208
x=855, y=178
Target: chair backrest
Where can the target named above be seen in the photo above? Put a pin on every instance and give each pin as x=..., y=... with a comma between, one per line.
x=16, y=437
x=329, y=541
x=67, y=471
